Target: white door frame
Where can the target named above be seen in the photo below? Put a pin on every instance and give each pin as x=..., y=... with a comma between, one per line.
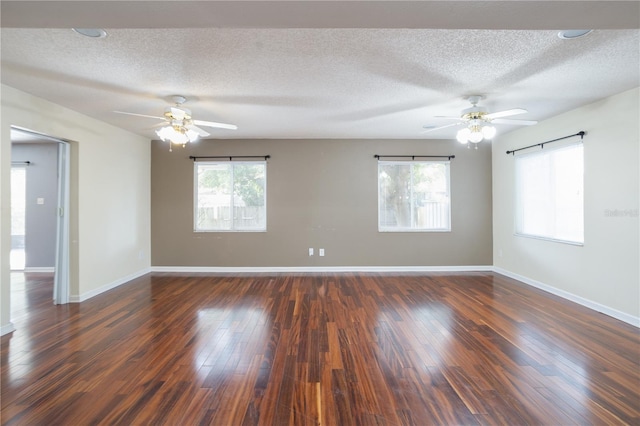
x=61, y=275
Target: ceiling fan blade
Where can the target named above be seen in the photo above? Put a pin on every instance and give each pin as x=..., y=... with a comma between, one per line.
x=507, y=113
x=214, y=124
x=139, y=115
x=165, y=123
x=202, y=133
x=446, y=117
x=517, y=122
x=440, y=127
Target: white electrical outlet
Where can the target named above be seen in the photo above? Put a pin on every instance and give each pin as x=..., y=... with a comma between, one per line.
x=310, y=251
x=321, y=252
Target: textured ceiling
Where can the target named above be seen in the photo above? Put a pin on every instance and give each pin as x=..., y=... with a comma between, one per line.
x=304, y=75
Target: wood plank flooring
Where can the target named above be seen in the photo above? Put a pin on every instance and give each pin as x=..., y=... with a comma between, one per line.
x=316, y=349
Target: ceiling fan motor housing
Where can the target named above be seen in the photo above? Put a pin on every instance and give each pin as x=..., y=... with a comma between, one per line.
x=178, y=114
x=475, y=113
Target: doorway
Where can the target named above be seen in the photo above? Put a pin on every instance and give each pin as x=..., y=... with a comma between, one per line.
x=40, y=194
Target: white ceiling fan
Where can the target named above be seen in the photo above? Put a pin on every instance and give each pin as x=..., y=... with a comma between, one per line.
x=478, y=121
x=179, y=126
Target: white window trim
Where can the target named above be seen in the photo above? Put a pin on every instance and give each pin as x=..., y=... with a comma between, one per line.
x=195, y=196
x=407, y=229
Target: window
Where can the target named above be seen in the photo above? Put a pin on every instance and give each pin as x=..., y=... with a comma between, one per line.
x=18, y=216
x=413, y=196
x=230, y=196
x=549, y=194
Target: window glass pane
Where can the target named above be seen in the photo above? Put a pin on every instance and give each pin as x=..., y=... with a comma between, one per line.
x=550, y=194
x=534, y=177
x=394, y=195
x=569, y=196
x=413, y=196
x=249, y=196
x=214, y=197
x=431, y=196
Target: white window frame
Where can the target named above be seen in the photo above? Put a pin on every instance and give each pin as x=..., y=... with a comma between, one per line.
x=518, y=198
x=382, y=228
x=196, y=194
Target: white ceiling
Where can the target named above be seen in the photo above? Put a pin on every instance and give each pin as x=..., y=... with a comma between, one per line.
x=320, y=69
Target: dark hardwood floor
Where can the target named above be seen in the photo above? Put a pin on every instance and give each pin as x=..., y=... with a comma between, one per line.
x=306, y=349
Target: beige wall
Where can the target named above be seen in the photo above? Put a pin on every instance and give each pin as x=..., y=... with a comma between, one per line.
x=110, y=200
x=320, y=194
x=605, y=270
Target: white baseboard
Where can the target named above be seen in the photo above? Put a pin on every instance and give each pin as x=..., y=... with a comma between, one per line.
x=629, y=319
x=107, y=287
x=7, y=328
x=258, y=269
x=48, y=269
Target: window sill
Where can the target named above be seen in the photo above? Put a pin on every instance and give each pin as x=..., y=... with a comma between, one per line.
x=553, y=240
x=208, y=231
x=406, y=230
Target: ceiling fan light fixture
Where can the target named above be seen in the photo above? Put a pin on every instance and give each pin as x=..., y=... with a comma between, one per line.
x=180, y=138
x=165, y=133
x=488, y=132
x=475, y=136
x=177, y=135
x=463, y=135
